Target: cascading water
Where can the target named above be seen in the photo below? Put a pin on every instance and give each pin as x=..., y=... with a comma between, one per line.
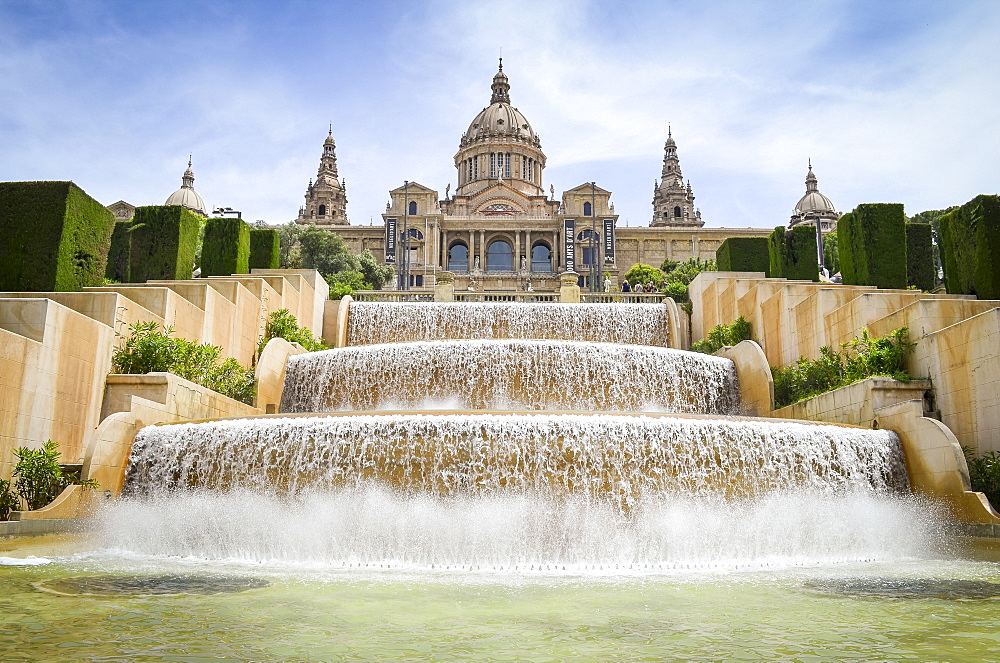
x=401, y=322
x=510, y=375
x=546, y=471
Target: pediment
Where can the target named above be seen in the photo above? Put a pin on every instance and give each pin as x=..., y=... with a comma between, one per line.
x=493, y=200
x=585, y=188
x=413, y=188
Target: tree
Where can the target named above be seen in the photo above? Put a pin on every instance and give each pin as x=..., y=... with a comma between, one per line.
x=345, y=283
x=325, y=252
x=641, y=273
x=375, y=275
x=288, y=252
x=831, y=257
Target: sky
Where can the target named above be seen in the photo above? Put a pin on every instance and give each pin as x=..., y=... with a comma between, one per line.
x=893, y=101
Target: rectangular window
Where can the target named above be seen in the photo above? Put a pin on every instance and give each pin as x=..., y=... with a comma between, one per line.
x=493, y=165
x=507, y=166
x=469, y=178
x=524, y=168
x=475, y=167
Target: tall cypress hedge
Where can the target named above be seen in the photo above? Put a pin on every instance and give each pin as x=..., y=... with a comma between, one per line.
x=872, y=245
x=226, y=249
x=53, y=237
x=919, y=256
x=970, y=248
x=744, y=254
x=164, y=240
x=265, y=248
x=118, y=254
x=792, y=253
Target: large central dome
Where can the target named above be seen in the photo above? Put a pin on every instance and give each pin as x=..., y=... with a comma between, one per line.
x=500, y=119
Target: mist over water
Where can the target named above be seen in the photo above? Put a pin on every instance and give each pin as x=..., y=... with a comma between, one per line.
x=377, y=528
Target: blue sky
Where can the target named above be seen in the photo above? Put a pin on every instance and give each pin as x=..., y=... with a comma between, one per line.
x=892, y=101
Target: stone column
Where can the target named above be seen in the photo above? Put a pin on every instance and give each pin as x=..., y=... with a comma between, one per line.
x=517, y=250
x=527, y=247
x=444, y=287
x=569, y=289
x=482, y=249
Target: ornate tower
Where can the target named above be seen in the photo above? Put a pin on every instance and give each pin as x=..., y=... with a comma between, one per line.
x=326, y=198
x=673, y=201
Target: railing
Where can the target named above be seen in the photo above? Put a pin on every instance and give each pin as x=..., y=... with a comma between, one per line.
x=531, y=297
x=622, y=297
x=393, y=296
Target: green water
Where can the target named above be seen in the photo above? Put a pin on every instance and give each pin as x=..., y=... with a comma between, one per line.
x=798, y=614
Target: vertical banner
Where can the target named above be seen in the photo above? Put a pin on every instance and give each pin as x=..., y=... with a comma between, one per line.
x=569, y=245
x=609, y=242
x=390, y=241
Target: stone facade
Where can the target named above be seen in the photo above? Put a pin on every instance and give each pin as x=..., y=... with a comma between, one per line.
x=326, y=198
x=501, y=230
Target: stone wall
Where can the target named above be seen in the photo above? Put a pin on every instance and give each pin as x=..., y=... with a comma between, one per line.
x=957, y=337
x=55, y=348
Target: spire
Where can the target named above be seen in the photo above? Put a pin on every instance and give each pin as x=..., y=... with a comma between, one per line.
x=812, y=184
x=187, y=179
x=501, y=89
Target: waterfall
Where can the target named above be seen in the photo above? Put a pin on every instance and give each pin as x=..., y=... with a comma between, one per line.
x=402, y=322
x=510, y=375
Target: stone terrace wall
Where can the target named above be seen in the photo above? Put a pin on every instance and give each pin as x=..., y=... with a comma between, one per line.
x=957, y=337
x=55, y=348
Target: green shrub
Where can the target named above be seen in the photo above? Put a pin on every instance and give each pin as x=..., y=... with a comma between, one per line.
x=792, y=254
x=345, y=283
x=282, y=324
x=831, y=252
x=872, y=245
x=970, y=248
x=642, y=273
x=38, y=476
x=9, y=500
x=265, y=249
x=919, y=256
x=148, y=350
x=744, y=254
x=226, y=247
x=53, y=237
x=984, y=474
x=164, y=243
x=859, y=359
x=723, y=335
x=118, y=255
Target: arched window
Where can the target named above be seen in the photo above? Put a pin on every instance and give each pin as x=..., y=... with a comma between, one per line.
x=677, y=212
x=322, y=210
x=414, y=233
x=541, y=258
x=413, y=207
x=499, y=257
x=458, y=257
x=587, y=209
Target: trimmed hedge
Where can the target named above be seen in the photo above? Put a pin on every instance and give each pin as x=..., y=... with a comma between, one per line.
x=919, y=256
x=163, y=243
x=744, y=254
x=118, y=255
x=226, y=249
x=53, y=237
x=970, y=248
x=792, y=253
x=872, y=245
x=265, y=248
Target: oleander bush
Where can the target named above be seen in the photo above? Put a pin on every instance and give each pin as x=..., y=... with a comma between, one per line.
x=792, y=254
x=149, y=350
x=53, y=237
x=862, y=358
x=282, y=324
x=744, y=254
x=225, y=248
x=38, y=480
x=9, y=501
x=872, y=245
x=723, y=335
